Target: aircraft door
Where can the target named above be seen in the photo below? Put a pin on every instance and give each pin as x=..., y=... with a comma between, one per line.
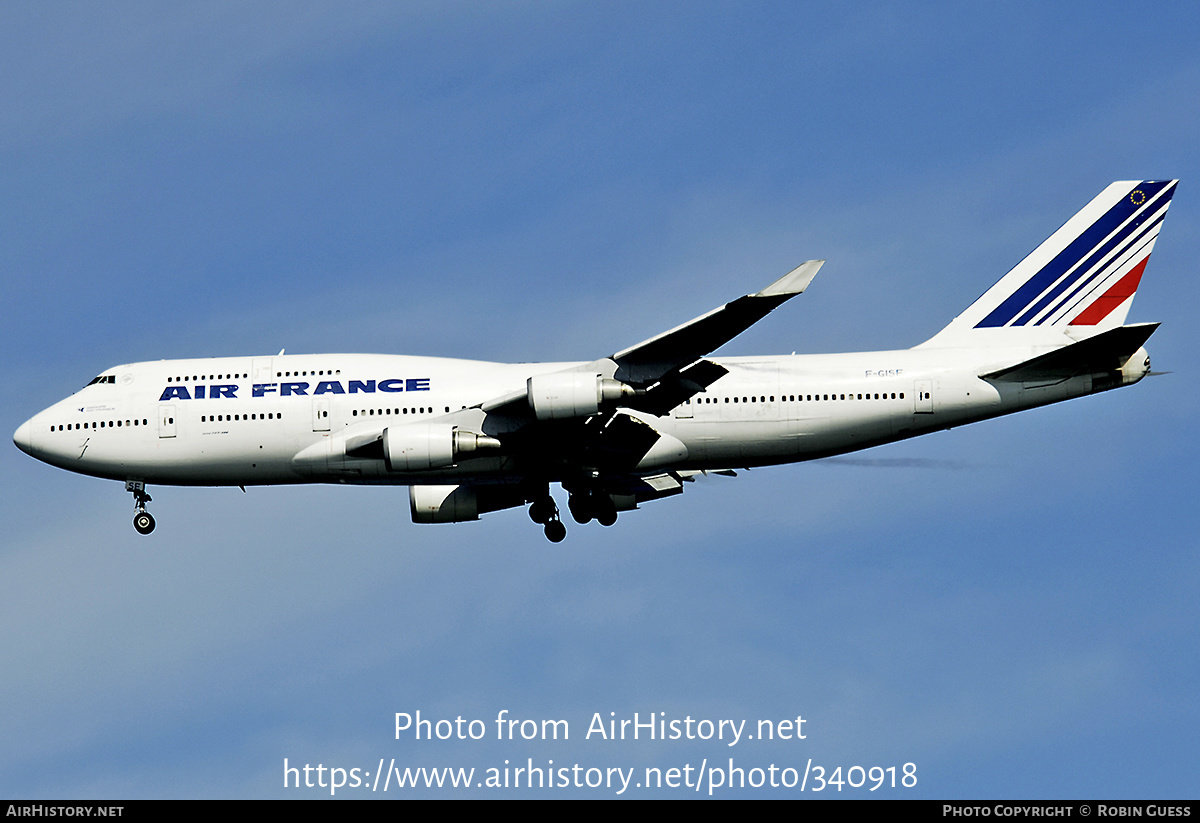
x=923, y=397
x=261, y=369
x=320, y=414
x=166, y=420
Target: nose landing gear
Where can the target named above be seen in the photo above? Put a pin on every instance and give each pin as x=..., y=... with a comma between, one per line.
x=143, y=521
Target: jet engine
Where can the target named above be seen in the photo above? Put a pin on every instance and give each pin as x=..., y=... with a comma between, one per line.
x=562, y=395
x=456, y=504
x=423, y=446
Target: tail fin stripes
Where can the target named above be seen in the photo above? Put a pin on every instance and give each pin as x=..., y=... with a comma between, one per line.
x=1133, y=245
x=1085, y=274
x=1121, y=225
x=1121, y=291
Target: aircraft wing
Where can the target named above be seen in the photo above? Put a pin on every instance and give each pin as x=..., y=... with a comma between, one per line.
x=678, y=348
x=669, y=368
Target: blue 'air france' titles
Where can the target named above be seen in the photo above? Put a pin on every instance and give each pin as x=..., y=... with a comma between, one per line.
x=228, y=391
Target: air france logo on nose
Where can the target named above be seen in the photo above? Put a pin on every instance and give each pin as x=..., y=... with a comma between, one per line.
x=228, y=391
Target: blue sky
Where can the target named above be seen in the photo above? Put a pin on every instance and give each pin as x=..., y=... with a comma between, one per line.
x=1009, y=605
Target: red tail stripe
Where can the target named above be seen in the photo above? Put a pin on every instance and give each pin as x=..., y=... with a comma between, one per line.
x=1106, y=303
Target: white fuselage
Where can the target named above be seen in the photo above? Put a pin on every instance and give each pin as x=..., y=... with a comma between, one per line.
x=291, y=419
x=470, y=437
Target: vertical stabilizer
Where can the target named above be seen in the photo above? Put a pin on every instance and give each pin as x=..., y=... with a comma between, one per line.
x=1081, y=281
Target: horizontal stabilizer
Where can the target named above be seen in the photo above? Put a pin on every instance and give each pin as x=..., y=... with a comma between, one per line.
x=1104, y=352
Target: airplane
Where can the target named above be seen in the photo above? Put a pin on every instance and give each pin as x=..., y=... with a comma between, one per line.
x=471, y=437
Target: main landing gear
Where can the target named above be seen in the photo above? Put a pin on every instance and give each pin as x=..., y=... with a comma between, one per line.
x=545, y=511
x=143, y=521
x=591, y=505
x=585, y=506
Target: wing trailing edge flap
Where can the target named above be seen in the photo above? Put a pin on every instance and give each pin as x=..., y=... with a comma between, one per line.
x=616, y=442
x=628, y=492
x=655, y=486
x=677, y=386
x=1103, y=352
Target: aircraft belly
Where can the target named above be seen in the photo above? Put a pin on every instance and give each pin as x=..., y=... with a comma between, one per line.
x=242, y=467
x=204, y=458
x=1018, y=396
x=724, y=443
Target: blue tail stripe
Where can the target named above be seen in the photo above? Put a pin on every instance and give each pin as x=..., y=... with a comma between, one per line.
x=1088, y=240
x=1114, y=241
x=1139, y=240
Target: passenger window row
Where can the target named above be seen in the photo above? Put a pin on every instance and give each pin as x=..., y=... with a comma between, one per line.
x=799, y=398
x=418, y=410
x=102, y=424
x=226, y=418
x=194, y=377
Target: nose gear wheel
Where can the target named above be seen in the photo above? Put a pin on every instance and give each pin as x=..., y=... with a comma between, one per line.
x=143, y=521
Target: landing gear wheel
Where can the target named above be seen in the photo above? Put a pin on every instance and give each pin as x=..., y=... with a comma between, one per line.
x=556, y=532
x=143, y=522
x=603, y=508
x=543, y=511
x=581, y=508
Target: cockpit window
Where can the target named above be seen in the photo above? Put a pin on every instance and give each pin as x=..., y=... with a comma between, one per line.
x=104, y=378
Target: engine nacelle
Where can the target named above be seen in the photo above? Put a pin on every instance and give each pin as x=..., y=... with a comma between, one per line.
x=562, y=395
x=443, y=504
x=422, y=446
x=456, y=504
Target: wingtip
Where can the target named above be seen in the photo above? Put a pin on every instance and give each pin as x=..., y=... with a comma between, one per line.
x=795, y=281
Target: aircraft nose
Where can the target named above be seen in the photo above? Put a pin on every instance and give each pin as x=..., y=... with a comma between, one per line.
x=21, y=437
